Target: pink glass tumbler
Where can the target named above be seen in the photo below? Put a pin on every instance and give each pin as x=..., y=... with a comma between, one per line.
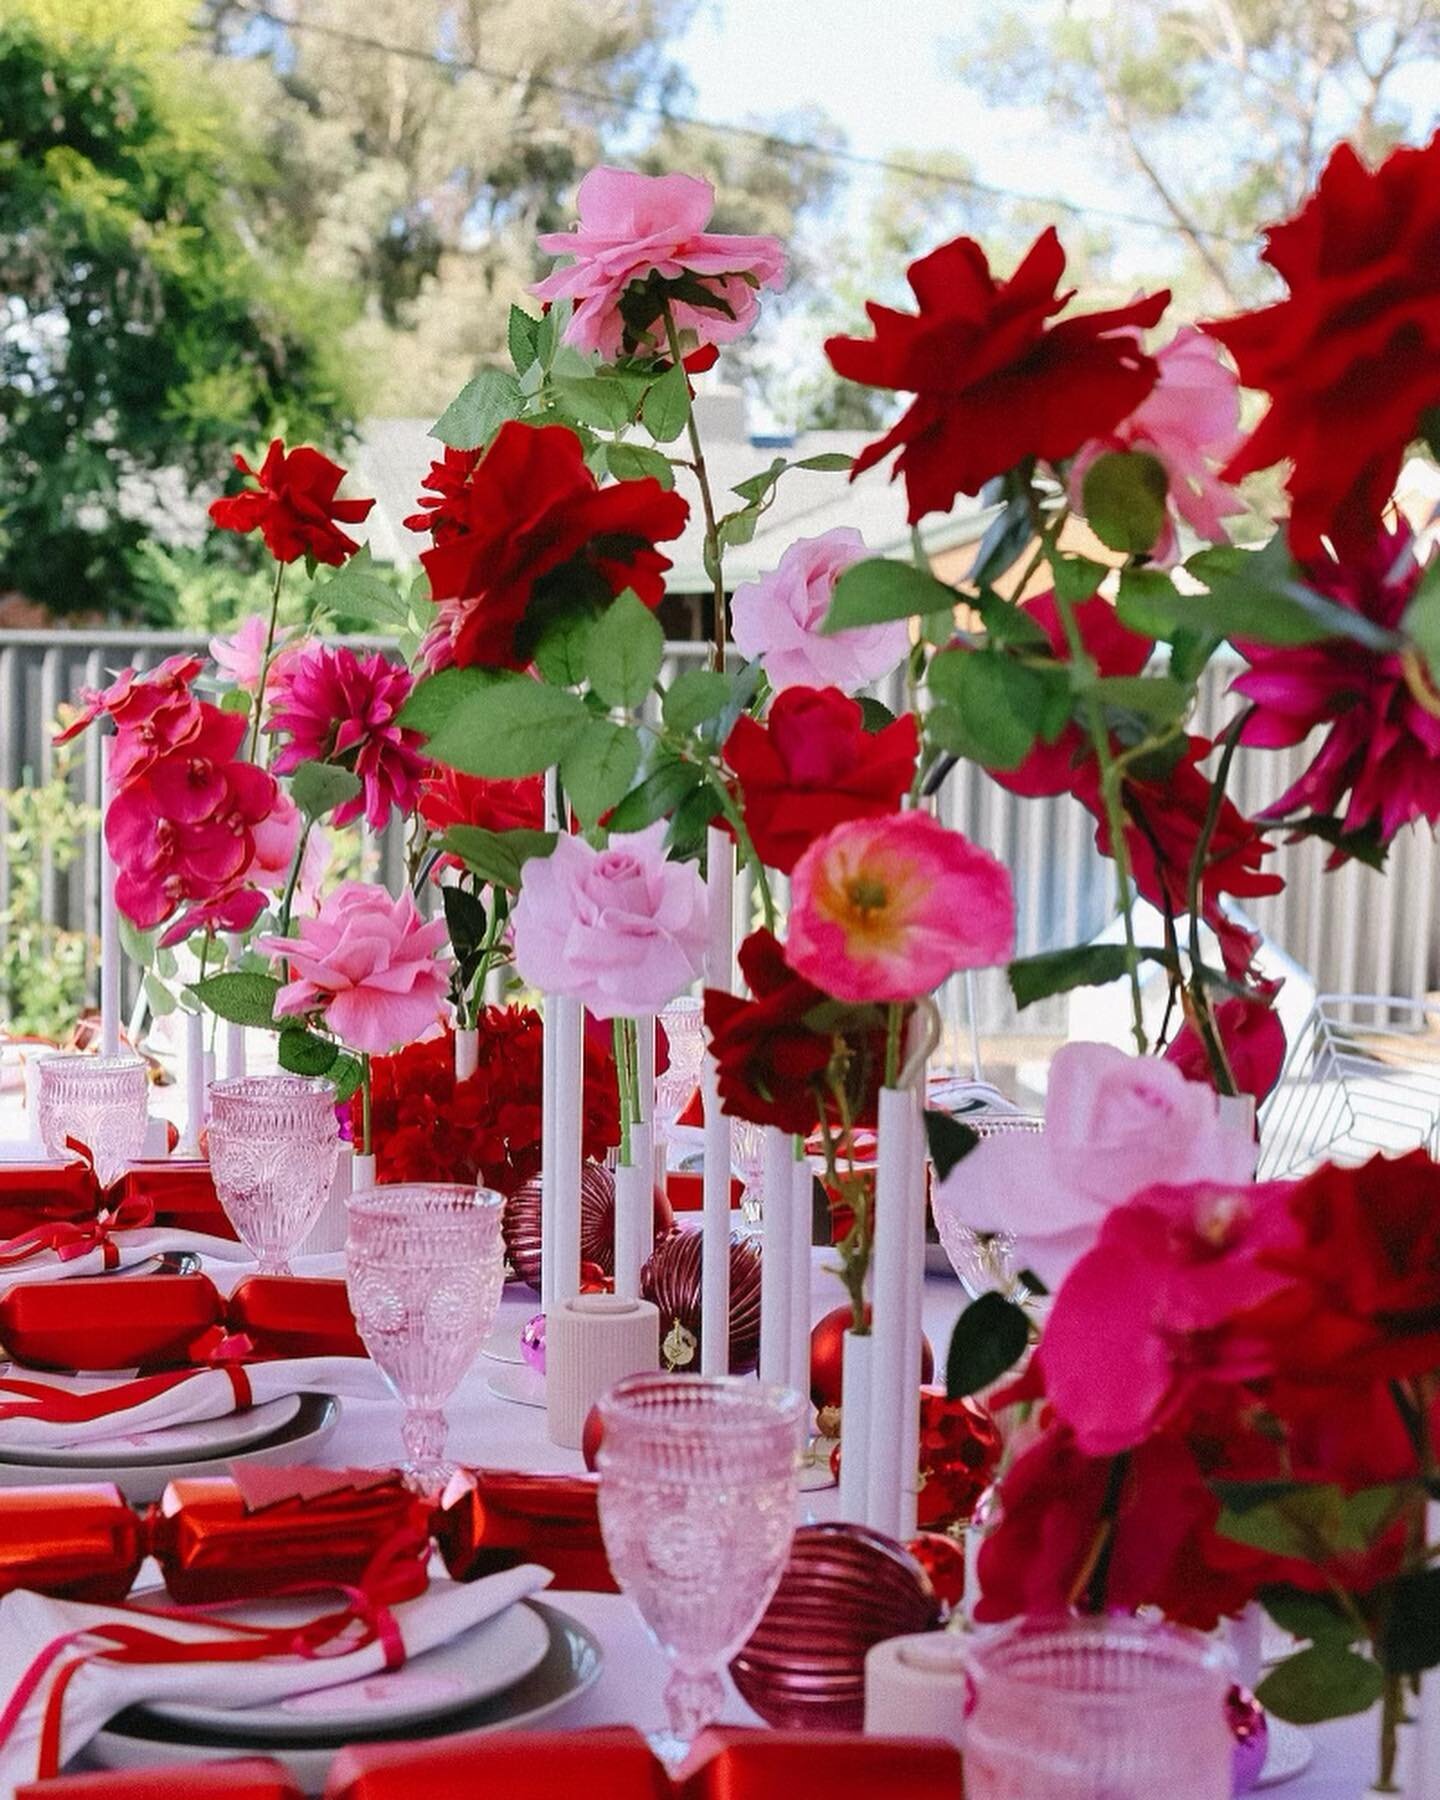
x=697, y=1507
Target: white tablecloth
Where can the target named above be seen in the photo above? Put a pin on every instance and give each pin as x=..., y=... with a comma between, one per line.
x=496, y=1433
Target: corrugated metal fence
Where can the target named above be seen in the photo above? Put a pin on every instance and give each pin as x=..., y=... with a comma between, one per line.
x=1354, y=930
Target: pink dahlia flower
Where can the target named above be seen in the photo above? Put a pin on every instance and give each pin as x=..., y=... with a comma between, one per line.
x=885, y=909
x=1381, y=748
x=340, y=708
x=779, y=618
x=1190, y=423
x=634, y=226
x=367, y=962
x=621, y=929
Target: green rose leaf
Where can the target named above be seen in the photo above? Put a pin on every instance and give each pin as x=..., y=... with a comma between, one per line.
x=563, y=652
x=317, y=788
x=1035, y=978
x=596, y=400
x=345, y=1073
x=598, y=768
x=633, y=462
x=1410, y=1640
x=1006, y=625
x=756, y=488
x=304, y=1052
x=828, y=462
x=1327, y=1681
x=666, y=785
x=479, y=410
x=1076, y=578
x=1421, y=623
x=506, y=727
x=359, y=591
x=997, y=706
x=878, y=590
x=627, y=647
x=694, y=697
x=466, y=920
x=949, y=1140
x=1157, y=699
x=240, y=998
x=522, y=338
x=1124, y=500
x=497, y=856
x=990, y=1336
x=666, y=407
x=138, y=945
x=1310, y=1618
x=235, y=700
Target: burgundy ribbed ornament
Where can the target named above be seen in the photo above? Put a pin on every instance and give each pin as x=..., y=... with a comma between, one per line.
x=671, y=1279
x=597, y=1223
x=844, y=1589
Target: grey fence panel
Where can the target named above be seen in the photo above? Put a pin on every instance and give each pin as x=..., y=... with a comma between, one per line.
x=1355, y=930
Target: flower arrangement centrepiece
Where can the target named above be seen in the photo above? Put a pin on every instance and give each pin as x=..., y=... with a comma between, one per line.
x=1262, y=1423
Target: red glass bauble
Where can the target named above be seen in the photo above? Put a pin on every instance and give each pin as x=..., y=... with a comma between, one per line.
x=590, y=1435
x=844, y=1589
x=597, y=1224
x=671, y=1279
x=943, y=1560
x=827, y=1351
x=960, y=1449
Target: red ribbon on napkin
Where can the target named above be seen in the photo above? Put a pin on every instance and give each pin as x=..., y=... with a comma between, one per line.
x=21, y=1399
x=74, y=1238
x=247, y=1778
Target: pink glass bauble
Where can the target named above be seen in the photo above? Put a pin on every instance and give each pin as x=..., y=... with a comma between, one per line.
x=1251, y=1732
x=844, y=1589
x=532, y=1343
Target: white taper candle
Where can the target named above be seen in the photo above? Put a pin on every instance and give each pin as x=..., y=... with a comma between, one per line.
x=776, y=1276
x=548, y=1009
x=715, y=1218
x=194, y=1083
x=234, y=1035
x=890, y=1270
x=802, y=1178
x=566, y=1142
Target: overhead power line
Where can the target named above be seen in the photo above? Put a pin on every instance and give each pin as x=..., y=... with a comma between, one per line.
x=754, y=134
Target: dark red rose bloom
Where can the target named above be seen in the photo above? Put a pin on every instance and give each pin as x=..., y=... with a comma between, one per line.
x=993, y=381
x=429, y=1127
x=449, y=797
x=1254, y=1041
x=529, y=522
x=1166, y=815
x=768, y=1058
x=1363, y=1304
x=294, y=507
x=1351, y=357
x=1165, y=1553
x=1381, y=747
x=811, y=766
x=443, y=508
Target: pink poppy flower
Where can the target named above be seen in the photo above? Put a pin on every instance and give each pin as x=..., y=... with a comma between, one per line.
x=632, y=227
x=1155, y=1315
x=621, y=929
x=778, y=620
x=340, y=708
x=1114, y=1125
x=1190, y=423
x=885, y=909
x=367, y=963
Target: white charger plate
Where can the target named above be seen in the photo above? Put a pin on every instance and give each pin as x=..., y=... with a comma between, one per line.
x=486, y=1660
x=297, y=1442
x=571, y=1664
x=167, y=1443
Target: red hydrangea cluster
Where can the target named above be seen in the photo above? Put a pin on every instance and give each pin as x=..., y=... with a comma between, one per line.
x=190, y=823
x=426, y=1126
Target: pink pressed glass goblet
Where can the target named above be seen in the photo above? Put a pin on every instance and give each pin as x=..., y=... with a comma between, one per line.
x=424, y=1264
x=697, y=1508
x=1098, y=1709
x=274, y=1140
x=684, y=1024
x=100, y=1101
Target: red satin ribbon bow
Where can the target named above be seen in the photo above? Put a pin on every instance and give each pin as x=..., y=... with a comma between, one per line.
x=71, y=1239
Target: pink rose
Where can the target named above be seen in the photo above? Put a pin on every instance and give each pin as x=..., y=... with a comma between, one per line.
x=886, y=909
x=1155, y=1314
x=778, y=619
x=275, y=841
x=240, y=656
x=367, y=963
x=1114, y=1124
x=620, y=929
x=1190, y=423
x=635, y=226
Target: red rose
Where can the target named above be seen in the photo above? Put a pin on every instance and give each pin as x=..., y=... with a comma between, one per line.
x=443, y=510
x=1351, y=359
x=529, y=521
x=448, y=797
x=769, y=1060
x=1364, y=1299
x=812, y=766
x=993, y=383
x=1254, y=1041
x=294, y=507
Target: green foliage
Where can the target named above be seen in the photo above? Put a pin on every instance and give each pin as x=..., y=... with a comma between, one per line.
x=150, y=332
x=877, y=590
x=1035, y=978
x=1327, y=1681
x=990, y=1337
x=1124, y=500
x=241, y=997
x=43, y=968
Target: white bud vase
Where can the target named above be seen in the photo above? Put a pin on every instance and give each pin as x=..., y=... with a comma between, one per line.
x=467, y=1052
x=362, y=1173
x=855, y=1363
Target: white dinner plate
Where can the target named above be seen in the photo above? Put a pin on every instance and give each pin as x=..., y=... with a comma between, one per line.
x=296, y=1442
x=494, y=1655
x=570, y=1665
x=168, y=1443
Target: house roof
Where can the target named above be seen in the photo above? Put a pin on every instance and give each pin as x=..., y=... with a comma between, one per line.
x=393, y=455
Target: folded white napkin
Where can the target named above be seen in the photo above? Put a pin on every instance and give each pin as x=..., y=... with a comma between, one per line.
x=130, y=1247
x=29, y=1623
x=182, y=1398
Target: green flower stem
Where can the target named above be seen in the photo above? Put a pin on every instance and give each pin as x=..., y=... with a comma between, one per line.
x=747, y=846
x=625, y=1082
x=707, y=502
x=487, y=957
x=288, y=900
x=894, y=1015
x=265, y=662
x=365, y=1149
x=1200, y=1008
